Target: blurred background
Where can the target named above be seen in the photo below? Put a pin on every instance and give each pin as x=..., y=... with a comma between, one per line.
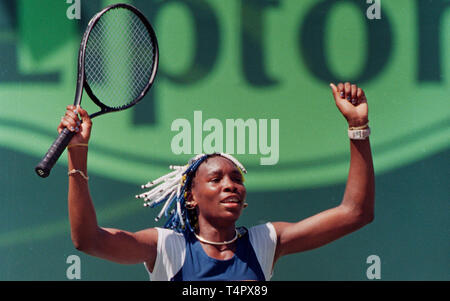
x=238, y=59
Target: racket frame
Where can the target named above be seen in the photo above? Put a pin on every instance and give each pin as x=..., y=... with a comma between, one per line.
x=81, y=56
x=57, y=148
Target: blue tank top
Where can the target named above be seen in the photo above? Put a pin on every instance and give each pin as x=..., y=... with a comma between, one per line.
x=198, y=266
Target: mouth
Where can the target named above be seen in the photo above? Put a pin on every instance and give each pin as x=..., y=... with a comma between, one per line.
x=232, y=200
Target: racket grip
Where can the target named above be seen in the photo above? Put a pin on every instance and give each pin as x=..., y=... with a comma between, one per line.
x=54, y=152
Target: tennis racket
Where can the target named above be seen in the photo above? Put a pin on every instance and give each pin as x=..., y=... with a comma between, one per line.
x=117, y=64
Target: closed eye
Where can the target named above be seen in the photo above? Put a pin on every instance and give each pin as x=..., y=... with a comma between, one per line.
x=235, y=176
x=238, y=179
x=215, y=180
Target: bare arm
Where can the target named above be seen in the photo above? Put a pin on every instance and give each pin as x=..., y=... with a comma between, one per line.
x=357, y=206
x=111, y=244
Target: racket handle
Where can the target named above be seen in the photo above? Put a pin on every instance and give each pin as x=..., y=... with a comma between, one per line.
x=54, y=152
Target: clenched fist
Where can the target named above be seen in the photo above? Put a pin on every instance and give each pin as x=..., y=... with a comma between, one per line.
x=352, y=102
x=81, y=127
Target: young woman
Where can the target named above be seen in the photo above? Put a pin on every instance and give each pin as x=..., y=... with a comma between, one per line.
x=200, y=240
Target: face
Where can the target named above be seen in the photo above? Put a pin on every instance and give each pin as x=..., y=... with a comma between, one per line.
x=217, y=190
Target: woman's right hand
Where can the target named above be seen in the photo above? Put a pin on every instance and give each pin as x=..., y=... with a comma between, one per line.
x=72, y=122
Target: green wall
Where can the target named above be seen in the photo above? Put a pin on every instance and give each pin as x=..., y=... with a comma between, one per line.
x=250, y=60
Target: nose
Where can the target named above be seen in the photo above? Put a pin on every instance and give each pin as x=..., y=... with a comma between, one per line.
x=229, y=185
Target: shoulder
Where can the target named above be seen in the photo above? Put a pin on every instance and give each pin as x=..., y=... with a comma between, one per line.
x=263, y=235
x=159, y=237
x=170, y=255
x=263, y=239
x=165, y=236
x=148, y=237
x=166, y=243
x=266, y=229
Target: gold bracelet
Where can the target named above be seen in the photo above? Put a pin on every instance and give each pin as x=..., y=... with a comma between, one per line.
x=77, y=144
x=362, y=127
x=73, y=171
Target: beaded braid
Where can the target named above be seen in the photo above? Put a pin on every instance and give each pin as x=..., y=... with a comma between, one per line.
x=171, y=189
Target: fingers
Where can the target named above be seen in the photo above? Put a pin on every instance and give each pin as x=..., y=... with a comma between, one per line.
x=361, y=95
x=84, y=115
x=71, y=121
x=350, y=92
x=351, y=102
x=341, y=90
x=354, y=90
x=338, y=91
x=335, y=91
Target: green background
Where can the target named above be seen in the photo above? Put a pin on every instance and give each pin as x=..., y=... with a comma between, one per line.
x=238, y=59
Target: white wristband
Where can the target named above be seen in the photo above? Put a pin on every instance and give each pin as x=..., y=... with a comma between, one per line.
x=359, y=134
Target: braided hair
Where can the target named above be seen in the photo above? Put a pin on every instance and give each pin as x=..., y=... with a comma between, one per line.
x=172, y=188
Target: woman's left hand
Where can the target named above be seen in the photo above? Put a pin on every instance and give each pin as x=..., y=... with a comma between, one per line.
x=352, y=102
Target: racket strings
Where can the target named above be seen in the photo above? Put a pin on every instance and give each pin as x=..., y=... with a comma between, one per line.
x=142, y=37
x=119, y=58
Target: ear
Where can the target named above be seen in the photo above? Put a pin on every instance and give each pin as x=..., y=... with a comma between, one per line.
x=190, y=199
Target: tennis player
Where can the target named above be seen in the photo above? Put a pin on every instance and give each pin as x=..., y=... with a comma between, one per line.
x=202, y=202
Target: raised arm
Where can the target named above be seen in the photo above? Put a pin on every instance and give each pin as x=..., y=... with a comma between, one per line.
x=111, y=244
x=357, y=206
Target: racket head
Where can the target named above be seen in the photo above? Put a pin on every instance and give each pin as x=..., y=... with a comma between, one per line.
x=118, y=57
x=117, y=64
